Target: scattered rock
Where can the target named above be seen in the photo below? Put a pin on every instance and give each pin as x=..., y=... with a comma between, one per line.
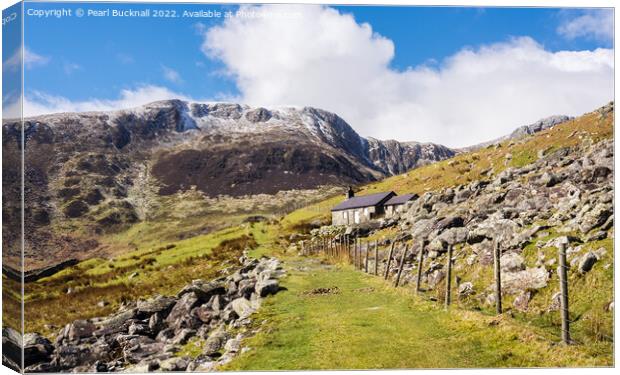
x=587, y=262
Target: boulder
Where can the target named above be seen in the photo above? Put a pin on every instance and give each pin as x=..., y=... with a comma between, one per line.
x=215, y=342
x=587, y=262
x=182, y=308
x=454, y=236
x=116, y=323
x=528, y=279
x=80, y=329
x=549, y=179
x=37, y=349
x=466, y=289
x=595, y=217
x=156, y=304
x=183, y=336
x=267, y=287
x=242, y=307
x=204, y=290
x=173, y=364
x=449, y=222
x=512, y=262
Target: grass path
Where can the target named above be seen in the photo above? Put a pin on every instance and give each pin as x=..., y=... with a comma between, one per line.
x=369, y=325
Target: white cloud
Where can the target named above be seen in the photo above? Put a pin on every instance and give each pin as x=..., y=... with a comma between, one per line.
x=38, y=103
x=31, y=60
x=326, y=59
x=171, y=75
x=594, y=24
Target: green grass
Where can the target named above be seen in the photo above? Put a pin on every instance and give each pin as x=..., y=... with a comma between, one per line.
x=370, y=325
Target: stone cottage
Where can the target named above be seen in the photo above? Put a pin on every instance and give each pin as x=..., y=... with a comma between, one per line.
x=358, y=210
x=398, y=204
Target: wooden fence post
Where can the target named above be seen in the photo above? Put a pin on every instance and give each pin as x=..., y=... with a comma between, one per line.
x=564, y=293
x=367, y=251
x=449, y=277
x=420, y=265
x=498, y=275
x=400, y=266
x=376, y=258
x=389, y=260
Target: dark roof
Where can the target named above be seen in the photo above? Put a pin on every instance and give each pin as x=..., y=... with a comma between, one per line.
x=364, y=201
x=401, y=199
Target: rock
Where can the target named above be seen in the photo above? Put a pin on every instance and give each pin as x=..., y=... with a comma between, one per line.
x=528, y=279
x=587, y=262
x=555, y=302
x=182, y=308
x=596, y=217
x=435, y=278
x=102, y=303
x=165, y=335
x=233, y=345
x=242, y=307
x=246, y=288
x=37, y=349
x=138, y=329
x=522, y=301
x=215, y=342
x=466, y=289
x=204, y=313
x=80, y=329
x=116, y=323
x=449, y=222
x=549, y=179
x=512, y=262
x=438, y=245
x=453, y=236
x=204, y=290
x=173, y=364
x=183, y=336
x=265, y=288
x=156, y=323
x=155, y=305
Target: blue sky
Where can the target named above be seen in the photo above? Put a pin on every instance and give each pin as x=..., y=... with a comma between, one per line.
x=93, y=59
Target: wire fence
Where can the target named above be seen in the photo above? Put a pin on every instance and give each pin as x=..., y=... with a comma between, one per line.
x=387, y=258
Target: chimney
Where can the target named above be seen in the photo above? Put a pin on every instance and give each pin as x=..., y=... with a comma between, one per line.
x=350, y=193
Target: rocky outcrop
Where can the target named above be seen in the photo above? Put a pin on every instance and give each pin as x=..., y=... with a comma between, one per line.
x=147, y=335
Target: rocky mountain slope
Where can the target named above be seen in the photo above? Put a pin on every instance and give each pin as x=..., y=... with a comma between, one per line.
x=524, y=130
x=93, y=173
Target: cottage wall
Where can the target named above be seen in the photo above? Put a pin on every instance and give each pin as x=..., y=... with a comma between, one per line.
x=354, y=216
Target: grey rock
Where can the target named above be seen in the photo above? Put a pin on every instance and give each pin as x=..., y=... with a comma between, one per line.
x=528, y=279
x=156, y=304
x=242, y=307
x=587, y=262
x=512, y=262
x=182, y=308
x=466, y=289
x=267, y=287
x=204, y=290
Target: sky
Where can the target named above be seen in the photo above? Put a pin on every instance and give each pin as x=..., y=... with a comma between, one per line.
x=450, y=75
